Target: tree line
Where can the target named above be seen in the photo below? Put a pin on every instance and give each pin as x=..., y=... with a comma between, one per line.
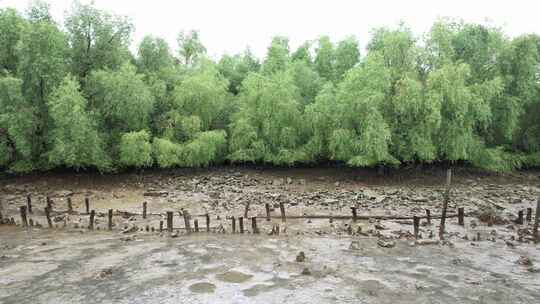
x=74, y=96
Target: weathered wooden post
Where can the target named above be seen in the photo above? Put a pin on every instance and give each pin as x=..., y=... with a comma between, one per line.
x=29, y=204
x=529, y=214
x=87, y=204
x=354, y=215
x=233, y=222
x=69, y=205
x=246, y=211
x=169, y=221
x=49, y=203
x=519, y=220
x=144, y=210
x=267, y=206
x=207, y=222
x=186, y=221
x=24, y=219
x=241, y=224
x=254, y=225
x=461, y=216
x=445, y=203
x=160, y=226
x=428, y=216
x=536, y=237
x=416, y=224
x=91, y=224
x=282, y=209
x=110, y=215
x=48, y=216
x=196, y=224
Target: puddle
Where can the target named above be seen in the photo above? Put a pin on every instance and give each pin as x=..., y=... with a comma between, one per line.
x=234, y=277
x=202, y=287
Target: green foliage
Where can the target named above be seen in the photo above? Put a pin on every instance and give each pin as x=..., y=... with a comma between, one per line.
x=136, y=149
x=154, y=55
x=463, y=93
x=121, y=99
x=277, y=57
x=266, y=127
x=236, y=68
x=12, y=25
x=74, y=139
x=190, y=47
x=98, y=39
x=166, y=153
x=18, y=124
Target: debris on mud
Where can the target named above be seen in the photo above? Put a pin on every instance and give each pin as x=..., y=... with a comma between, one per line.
x=301, y=257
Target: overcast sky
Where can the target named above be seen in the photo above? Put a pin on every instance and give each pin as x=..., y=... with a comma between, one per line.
x=229, y=26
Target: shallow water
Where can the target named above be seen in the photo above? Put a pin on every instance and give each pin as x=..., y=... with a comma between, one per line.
x=73, y=267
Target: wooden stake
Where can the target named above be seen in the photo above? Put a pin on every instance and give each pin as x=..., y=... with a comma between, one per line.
x=24, y=219
x=49, y=203
x=519, y=220
x=160, y=226
x=186, y=221
x=87, y=204
x=254, y=225
x=529, y=214
x=233, y=221
x=31, y=222
x=169, y=221
x=196, y=224
x=536, y=237
x=461, y=216
x=48, y=216
x=267, y=206
x=29, y=203
x=354, y=215
x=144, y=210
x=110, y=219
x=246, y=211
x=428, y=216
x=416, y=223
x=282, y=209
x=445, y=203
x=207, y=222
x=91, y=224
x=241, y=224
x=69, y=205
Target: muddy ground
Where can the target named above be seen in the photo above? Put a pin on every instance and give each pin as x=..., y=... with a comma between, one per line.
x=367, y=261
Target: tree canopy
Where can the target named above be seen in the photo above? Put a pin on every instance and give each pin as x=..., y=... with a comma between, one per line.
x=76, y=96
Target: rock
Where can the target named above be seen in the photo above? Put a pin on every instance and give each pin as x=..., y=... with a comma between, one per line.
x=306, y=271
x=379, y=226
x=524, y=260
x=386, y=244
x=131, y=229
x=289, y=180
x=175, y=234
x=336, y=184
x=426, y=242
x=107, y=272
x=510, y=244
x=301, y=257
x=302, y=182
x=419, y=199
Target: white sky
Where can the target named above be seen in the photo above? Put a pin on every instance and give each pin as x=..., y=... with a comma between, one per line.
x=229, y=26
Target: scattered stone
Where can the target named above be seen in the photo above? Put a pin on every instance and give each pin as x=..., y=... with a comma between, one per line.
x=386, y=244
x=107, y=272
x=420, y=199
x=130, y=229
x=426, y=242
x=306, y=271
x=524, y=260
